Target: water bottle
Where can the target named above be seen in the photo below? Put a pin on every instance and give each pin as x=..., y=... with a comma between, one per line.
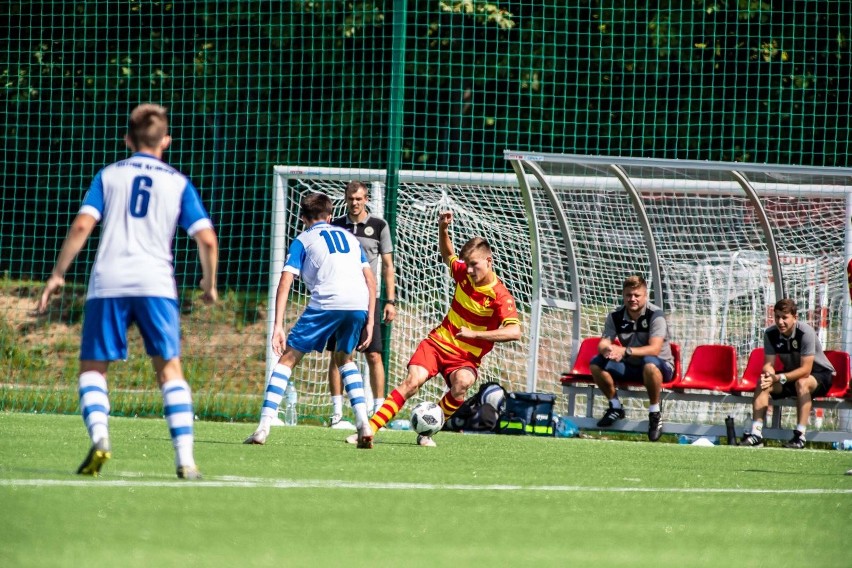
x=730, y=431
x=817, y=417
x=291, y=417
x=686, y=439
x=845, y=445
x=399, y=424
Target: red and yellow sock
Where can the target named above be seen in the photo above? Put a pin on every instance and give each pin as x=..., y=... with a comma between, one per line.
x=449, y=405
x=393, y=404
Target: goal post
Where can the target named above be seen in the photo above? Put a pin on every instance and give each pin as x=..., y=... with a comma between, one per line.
x=488, y=205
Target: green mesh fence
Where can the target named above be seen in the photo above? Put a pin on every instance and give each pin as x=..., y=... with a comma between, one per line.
x=253, y=84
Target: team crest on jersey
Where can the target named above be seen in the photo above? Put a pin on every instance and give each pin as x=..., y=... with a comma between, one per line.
x=486, y=302
x=368, y=231
x=644, y=324
x=795, y=344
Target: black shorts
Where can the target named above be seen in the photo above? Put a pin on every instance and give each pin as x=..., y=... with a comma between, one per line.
x=376, y=344
x=823, y=379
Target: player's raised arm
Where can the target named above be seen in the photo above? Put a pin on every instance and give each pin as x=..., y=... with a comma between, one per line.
x=79, y=231
x=445, y=244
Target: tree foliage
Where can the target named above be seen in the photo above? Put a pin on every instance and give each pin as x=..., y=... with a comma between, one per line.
x=251, y=84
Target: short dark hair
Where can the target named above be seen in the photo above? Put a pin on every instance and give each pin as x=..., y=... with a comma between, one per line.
x=634, y=281
x=354, y=186
x=786, y=306
x=475, y=244
x=148, y=125
x=315, y=206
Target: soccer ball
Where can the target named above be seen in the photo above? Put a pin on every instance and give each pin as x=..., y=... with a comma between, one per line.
x=494, y=396
x=427, y=418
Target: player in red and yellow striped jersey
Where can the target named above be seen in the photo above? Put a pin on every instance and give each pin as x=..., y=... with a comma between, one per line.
x=482, y=313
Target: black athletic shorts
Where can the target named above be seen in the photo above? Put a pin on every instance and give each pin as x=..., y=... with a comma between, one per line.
x=823, y=379
x=375, y=345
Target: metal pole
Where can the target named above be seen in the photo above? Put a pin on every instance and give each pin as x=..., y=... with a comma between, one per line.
x=645, y=223
x=846, y=336
x=397, y=100
x=276, y=262
x=763, y=218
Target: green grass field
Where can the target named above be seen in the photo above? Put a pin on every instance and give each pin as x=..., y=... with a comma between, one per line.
x=308, y=499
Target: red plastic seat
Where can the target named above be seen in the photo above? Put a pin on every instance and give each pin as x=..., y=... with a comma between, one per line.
x=712, y=367
x=677, y=366
x=580, y=372
x=751, y=373
x=840, y=385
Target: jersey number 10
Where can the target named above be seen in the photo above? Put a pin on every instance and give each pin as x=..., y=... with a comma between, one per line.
x=336, y=241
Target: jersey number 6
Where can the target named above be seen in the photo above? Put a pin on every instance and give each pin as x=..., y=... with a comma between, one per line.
x=140, y=196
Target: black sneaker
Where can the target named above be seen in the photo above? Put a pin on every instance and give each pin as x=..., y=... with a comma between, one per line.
x=797, y=442
x=655, y=425
x=610, y=416
x=751, y=440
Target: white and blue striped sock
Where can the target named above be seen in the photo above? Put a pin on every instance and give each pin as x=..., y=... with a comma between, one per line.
x=94, y=404
x=274, y=393
x=353, y=384
x=177, y=406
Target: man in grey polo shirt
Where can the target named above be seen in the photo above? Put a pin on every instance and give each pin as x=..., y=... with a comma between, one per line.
x=644, y=354
x=807, y=372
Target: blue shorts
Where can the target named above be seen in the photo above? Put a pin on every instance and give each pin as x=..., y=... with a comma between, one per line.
x=316, y=326
x=106, y=321
x=620, y=371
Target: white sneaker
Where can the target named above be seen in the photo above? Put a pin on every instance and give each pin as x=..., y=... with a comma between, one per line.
x=338, y=423
x=425, y=441
x=258, y=438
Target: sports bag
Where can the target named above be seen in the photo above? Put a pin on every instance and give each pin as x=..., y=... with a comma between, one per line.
x=481, y=412
x=528, y=413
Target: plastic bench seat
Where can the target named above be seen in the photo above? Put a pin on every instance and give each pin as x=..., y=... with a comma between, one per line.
x=712, y=367
x=840, y=384
x=581, y=373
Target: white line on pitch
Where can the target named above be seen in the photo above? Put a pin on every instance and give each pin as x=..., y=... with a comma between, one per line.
x=248, y=482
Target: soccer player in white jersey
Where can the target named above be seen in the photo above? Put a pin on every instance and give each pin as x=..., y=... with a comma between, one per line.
x=334, y=267
x=140, y=201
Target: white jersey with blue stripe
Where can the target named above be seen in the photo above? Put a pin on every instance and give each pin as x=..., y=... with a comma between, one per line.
x=140, y=201
x=331, y=263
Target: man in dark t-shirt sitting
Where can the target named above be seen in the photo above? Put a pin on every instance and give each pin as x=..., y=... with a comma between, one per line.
x=807, y=372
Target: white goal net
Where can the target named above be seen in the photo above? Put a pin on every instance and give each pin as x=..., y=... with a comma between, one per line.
x=490, y=206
